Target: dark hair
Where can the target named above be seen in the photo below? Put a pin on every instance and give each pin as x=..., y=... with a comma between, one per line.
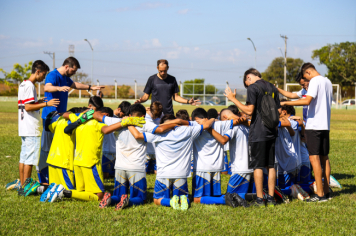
x=96, y=101
x=156, y=109
x=167, y=117
x=182, y=114
x=306, y=66
x=106, y=110
x=39, y=65
x=212, y=113
x=77, y=109
x=162, y=61
x=251, y=71
x=137, y=110
x=125, y=107
x=200, y=113
x=234, y=109
x=289, y=109
x=71, y=61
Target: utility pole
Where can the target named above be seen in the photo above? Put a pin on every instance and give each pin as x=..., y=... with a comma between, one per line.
x=285, y=61
x=52, y=55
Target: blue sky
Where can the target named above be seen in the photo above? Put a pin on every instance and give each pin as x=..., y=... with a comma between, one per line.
x=201, y=39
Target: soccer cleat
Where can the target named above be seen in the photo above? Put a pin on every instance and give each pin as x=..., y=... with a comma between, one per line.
x=316, y=198
x=57, y=194
x=239, y=200
x=184, y=205
x=271, y=202
x=334, y=183
x=51, y=192
x=105, y=201
x=33, y=188
x=26, y=186
x=175, y=202
x=12, y=185
x=67, y=193
x=280, y=195
x=230, y=201
x=45, y=195
x=258, y=203
x=123, y=203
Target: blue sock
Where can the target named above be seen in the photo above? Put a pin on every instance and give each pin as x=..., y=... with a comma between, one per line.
x=114, y=200
x=135, y=201
x=166, y=202
x=213, y=200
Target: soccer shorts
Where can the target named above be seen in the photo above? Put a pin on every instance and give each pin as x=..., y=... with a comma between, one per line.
x=61, y=176
x=261, y=154
x=30, y=150
x=206, y=184
x=89, y=179
x=318, y=142
x=226, y=163
x=136, y=181
x=108, y=162
x=151, y=163
x=239, y=183
x=164, y=187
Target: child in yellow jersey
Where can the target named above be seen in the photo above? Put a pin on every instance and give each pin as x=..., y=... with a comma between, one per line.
x=61, y=154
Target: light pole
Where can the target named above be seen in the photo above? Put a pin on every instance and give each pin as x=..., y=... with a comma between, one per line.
x=285, y=61
x=92, y=55
x=254, y=48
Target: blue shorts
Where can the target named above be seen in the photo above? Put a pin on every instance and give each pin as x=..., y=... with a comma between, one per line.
x=164, y=187
x=151, y=163
x=133, y=180
x=206, y=184
x=30, y=150
x=108, y=163
x=239, y=183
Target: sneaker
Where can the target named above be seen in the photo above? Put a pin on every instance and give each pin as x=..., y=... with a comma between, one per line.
x=58, y=193
x=45, y=195
x=184, y=203
x=33, y=188
x=230, y=201
x=105, y=201
x=13, y=184
x=316, y=198
x=280, y=195
x=271, y=202
x=17, y=187
x=26, y=186
x=258, y=203
x=123, y=203
x=239, y=200
x=329, y=195
x=51, y=193
x=67, y=193
x=175, y=202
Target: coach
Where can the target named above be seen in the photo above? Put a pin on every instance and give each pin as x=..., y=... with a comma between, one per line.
x=261, y=140
x=163, y=88
x=318, y=99
x=57, y=85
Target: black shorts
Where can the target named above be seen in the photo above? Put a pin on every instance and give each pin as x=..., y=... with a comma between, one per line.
x=318, y=142
x=261, y=154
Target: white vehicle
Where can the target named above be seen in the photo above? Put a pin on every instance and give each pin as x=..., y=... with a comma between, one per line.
x=348, y=102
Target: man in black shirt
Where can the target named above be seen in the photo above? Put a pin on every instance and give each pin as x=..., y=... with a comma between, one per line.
x=163, y=88
x=261, y=139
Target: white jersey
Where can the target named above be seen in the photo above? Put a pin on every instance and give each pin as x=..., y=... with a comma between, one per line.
x=148, y=118
x=285, y=152
x=130, y=153
x=296, y=140
x=238, y=137
x=109, y=142
x=208, y=152
x=319, y=109
x=174, y=150
x=29, y=121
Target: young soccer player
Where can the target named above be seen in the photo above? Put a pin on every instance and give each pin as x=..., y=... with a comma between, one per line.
x=29, y=124
x=173, y=153
x=109, y=144
x=183, y=115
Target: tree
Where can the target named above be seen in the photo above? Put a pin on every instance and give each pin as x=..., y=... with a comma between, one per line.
x=123, y=91
x=81, y=77
x=340, y=59
x=198, y=87
x=18, y=73
x=275, y=71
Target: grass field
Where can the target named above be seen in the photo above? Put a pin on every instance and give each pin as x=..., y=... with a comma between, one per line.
x=21, y=215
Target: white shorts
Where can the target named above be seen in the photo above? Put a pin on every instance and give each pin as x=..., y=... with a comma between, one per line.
x=30, y=150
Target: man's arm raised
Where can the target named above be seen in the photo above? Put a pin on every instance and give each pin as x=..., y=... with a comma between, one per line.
x=248, y=109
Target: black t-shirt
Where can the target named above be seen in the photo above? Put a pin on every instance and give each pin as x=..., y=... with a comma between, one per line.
x=259, y=132
x=162, y=91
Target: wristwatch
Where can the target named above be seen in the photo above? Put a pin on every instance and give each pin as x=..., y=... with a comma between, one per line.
x=187, y=101
x=89, y=88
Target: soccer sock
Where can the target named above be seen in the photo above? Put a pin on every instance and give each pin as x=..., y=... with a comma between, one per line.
x=213, y=200
x=85, y=196
x=135, y=201
x=166, y=202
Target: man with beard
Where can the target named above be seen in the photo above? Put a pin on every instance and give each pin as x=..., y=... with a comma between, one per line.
x=57, y=85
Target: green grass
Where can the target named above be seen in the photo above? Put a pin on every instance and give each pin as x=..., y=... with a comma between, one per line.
x=20, y=215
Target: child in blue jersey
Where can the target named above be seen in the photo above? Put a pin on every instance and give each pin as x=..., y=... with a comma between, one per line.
x=173, y=153
x=109, y=144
